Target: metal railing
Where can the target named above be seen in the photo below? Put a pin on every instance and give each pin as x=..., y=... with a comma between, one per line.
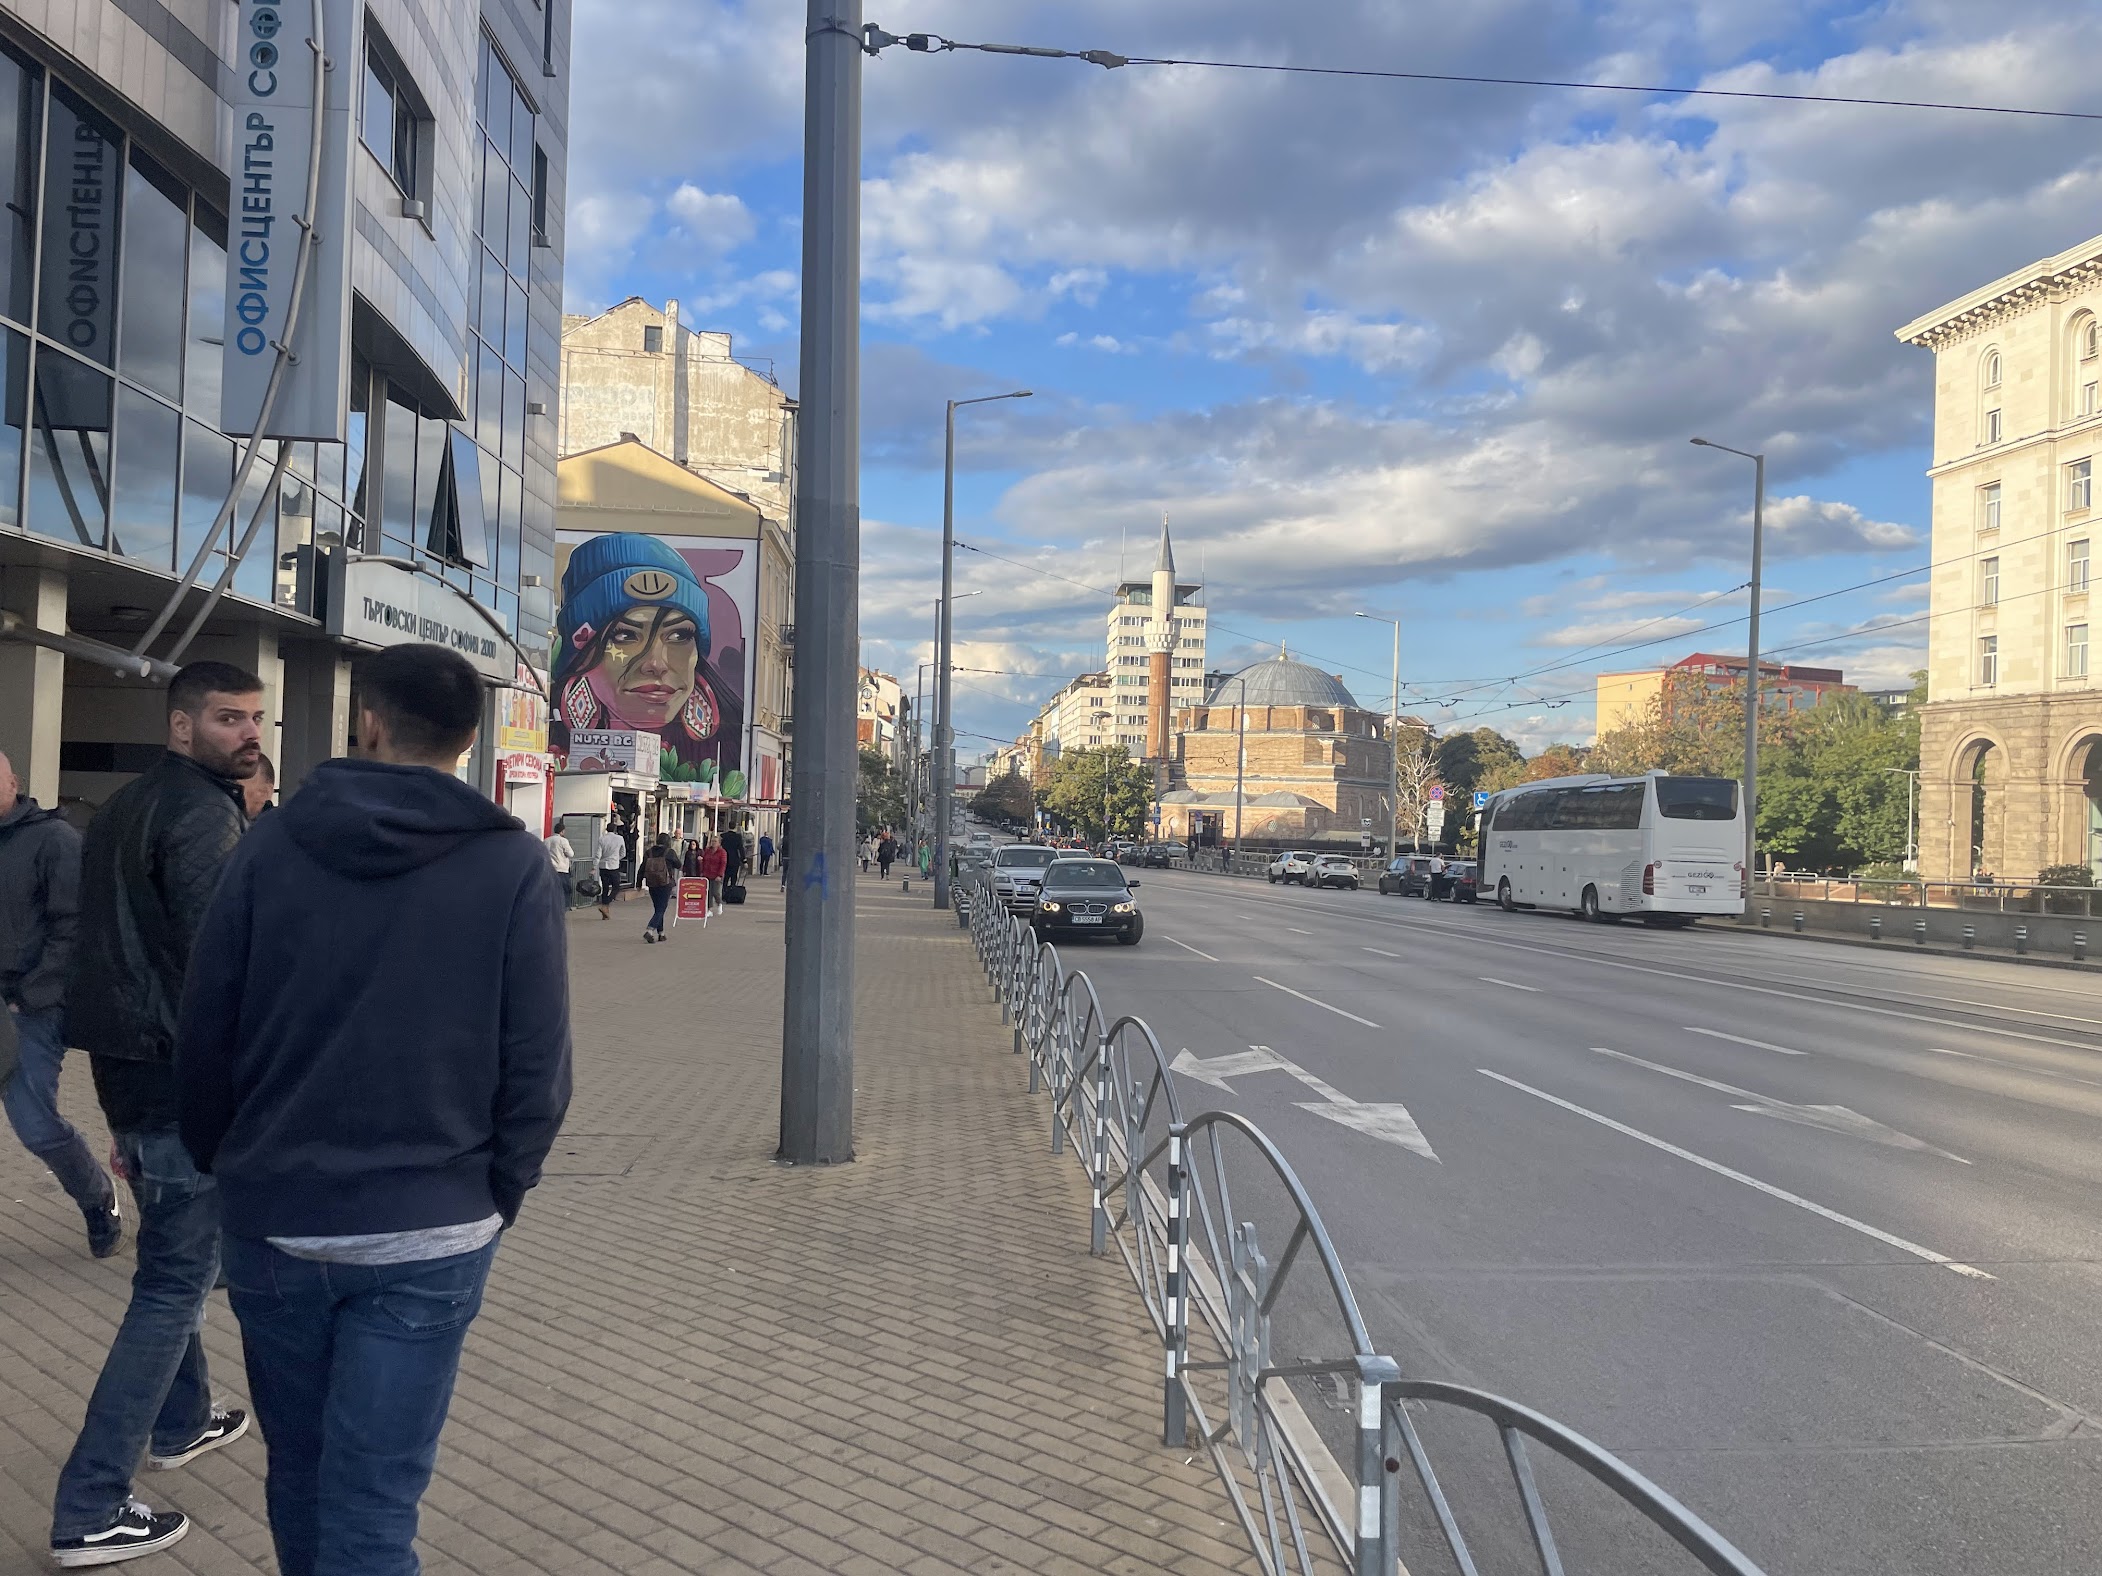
x=1194, y=1204
x=2002, y=897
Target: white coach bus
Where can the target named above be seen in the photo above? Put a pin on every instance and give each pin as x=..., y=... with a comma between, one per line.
x=1669, y=849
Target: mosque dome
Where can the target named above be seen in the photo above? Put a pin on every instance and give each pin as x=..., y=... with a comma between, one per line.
x=1280, y=681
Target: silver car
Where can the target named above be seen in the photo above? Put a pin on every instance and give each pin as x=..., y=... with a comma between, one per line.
x=1018, y=874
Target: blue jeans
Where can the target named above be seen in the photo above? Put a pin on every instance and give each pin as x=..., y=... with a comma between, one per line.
x=660, y=898
x=351, y=1369
x=31, y=1099
x=155, y=1388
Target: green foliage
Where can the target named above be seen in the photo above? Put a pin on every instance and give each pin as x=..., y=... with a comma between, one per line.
x=1073, y=789
x=1006, y=798
x=2065, y=876
x=1465, y=760
x=880, y=798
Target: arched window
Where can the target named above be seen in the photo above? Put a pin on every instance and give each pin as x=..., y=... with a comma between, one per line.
x=1991, y=428
x=1992, y=369
x=2090, y=340
x=2084, y=390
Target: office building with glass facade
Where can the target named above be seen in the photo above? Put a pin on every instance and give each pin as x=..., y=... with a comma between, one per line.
x=115, y=122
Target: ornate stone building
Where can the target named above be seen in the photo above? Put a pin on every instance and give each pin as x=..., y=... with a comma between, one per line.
x=2011, y=735
x=1316, y=765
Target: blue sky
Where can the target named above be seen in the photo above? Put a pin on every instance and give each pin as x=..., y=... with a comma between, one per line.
x=1427, y=351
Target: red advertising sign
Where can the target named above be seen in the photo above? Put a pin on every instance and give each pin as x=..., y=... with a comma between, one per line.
x=693, y=897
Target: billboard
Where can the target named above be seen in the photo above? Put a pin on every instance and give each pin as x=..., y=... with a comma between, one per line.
x=653, y=634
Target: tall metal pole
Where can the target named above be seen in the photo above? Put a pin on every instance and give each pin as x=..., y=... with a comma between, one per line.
x=817, y=1019
x=1393, y=742
x=944, y=735
x=1751, y=676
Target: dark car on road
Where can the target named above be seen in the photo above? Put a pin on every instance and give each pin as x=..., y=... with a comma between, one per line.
x=1409, y=875
x=1155, y=856
x=1087, y=897
x=1461, y=881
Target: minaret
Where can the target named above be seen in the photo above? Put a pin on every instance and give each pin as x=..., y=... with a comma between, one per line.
x=1160, y=641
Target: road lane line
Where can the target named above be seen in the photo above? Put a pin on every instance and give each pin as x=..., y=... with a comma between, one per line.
x=1786, y=1197
x=1738, y=1039
x=2020, y=1067
x=1324, y=1006
x=1188, y=948
x=1377, y=953
x=1490, y=979
x=1295, y=930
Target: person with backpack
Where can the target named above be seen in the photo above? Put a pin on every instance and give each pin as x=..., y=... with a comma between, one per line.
x=661, y=876
x=886, y=855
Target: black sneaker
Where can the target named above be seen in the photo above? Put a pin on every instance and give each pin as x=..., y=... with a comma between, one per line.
x=105, y=1227
x=136, y=1531
x=228, y=1424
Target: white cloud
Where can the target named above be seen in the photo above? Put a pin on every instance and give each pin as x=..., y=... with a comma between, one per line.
x=719, y=221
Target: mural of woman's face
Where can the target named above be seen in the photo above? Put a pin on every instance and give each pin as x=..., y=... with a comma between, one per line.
x=646, y=669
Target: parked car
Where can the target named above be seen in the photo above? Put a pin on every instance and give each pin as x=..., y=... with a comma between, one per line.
x=1290, y=867
x=1154, y=856
x=1461, y=882
x=1087, y=897
x=1018, y=871
x=1409, y=876
x=1331, y=870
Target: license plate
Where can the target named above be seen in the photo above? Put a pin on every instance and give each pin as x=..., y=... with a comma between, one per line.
x=1698, y=891
x=1087, y=919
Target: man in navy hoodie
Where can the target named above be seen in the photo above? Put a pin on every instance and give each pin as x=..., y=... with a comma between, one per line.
x=372, y=1060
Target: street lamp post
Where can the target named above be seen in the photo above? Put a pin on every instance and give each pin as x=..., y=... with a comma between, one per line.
x=944, y=719
x=1393, y=742
x=1751, y=676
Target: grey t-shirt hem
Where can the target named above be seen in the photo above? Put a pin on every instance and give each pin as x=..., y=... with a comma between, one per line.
x=394, y=1247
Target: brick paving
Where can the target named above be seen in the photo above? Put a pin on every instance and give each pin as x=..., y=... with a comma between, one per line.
x=694, y=1360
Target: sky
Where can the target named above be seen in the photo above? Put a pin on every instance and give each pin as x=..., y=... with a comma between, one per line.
x=1431, y=352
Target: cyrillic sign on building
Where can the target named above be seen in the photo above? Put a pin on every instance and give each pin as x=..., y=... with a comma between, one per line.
x=275, y=124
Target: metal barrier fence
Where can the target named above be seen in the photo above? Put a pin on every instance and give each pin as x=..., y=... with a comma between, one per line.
x=1162, y=1185
x=2001, y=897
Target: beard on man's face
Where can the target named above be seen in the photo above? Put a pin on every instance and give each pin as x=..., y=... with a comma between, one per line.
x=239, y=764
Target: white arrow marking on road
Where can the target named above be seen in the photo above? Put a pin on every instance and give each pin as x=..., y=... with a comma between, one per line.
x=1833, y=1118
x=1901, y=1244
x=1738, y=1039
x=1387, y=1120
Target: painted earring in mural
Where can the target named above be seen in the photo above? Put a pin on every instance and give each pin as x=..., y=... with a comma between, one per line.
x=633, y=651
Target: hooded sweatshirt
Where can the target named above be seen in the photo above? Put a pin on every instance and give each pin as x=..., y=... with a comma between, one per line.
x=375, y=1029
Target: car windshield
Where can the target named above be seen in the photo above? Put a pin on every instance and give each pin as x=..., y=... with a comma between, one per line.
x=1697, y=798
x=1030, y=858
x=1085, y=875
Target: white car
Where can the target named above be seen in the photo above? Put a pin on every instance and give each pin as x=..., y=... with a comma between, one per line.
x=1290, y=867
x=1331, y=870
x=981, y=840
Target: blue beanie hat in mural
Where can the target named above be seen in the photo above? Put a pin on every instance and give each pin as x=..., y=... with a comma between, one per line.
x=610, y=574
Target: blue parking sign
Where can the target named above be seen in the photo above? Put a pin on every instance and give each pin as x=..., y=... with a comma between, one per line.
x=1481, y=798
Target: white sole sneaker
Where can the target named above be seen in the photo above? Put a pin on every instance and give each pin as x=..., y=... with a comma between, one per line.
x=226, y=1428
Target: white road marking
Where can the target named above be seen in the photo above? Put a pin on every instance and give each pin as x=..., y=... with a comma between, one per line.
x=1767, y=1188
x=1490, y=979
x=1388, y=1121
x=1376, y=952
x=1738, y=1039
x=1324, y=1006
x=1188, y=948
x=1295, y=930
x=2035, y=1072
x=1832, y=1118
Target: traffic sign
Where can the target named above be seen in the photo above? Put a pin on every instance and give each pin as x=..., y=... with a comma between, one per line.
x=1437, y=792
x=1481, y=798
x=1434, y=818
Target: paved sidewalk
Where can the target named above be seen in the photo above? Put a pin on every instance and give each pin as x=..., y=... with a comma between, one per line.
x=694, y=1360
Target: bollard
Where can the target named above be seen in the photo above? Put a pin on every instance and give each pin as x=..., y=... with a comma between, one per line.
x=1970, y=934
x=1919, y=932
x=1875, y=927
x=1766, y=918
x=1799, y=922
x=2079, y=945
x=905, y=886
x=2021, y=940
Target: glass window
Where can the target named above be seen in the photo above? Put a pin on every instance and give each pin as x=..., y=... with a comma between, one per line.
x=2090, y=338
x=2076, y=651
x=256, y=578
x=466, y=529
x=16, y=348
x=156, y=242
x=514, y=419
x=84, y=180
x=377, y=128
x=510, y=499
x=1992, y=426
x=430, y=477
x=2080, y=484
x=204, y=355
x=1989, y=660
x=1696, y=798
x=509, y=528
x=207, y=475
x=492, y=474
x=652, y=339
x=489, y=401
x=1614, y=808
x=18, y=159
x=2076, y=565
x=521, y=139
x=496, y=195
x=389, y=123
x=2090, y=398
x=69, y=451
x=515, y=325
x=1989, y=582
x=540, y=190
x=495, y=95
x=494, y=289
x=142, y=503
x=1992, y=369
x=397, y=480
x=521, y=261
x=356, y=431
x=1989, y=507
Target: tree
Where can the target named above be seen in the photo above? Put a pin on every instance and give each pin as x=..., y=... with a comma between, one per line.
x=1557, y=760
x=879, y=801
x=1073, y=790
x=1415, y=773
x=1466, y=760
x=1006, y=798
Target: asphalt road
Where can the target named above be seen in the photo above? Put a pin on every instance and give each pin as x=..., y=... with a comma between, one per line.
x=1807, y=1233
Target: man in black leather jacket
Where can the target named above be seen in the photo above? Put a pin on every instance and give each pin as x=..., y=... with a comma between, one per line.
x=150, y=864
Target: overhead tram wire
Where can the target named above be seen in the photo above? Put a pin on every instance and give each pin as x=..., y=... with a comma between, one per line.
x=876, y=40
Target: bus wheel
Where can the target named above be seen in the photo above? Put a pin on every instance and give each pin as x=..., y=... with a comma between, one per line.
x=1503, y=896
x=1588, y=903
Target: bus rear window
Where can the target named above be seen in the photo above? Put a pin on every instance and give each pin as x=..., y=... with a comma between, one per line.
x=1697, y=798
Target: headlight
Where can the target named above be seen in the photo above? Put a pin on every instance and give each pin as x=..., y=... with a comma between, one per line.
x=1050, y=908
x=1124, y=908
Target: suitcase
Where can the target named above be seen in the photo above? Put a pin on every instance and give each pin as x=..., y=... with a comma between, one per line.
x=733, y=893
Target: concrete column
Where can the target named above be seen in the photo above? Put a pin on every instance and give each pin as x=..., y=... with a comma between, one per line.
x=316, y=716
x=33, y=681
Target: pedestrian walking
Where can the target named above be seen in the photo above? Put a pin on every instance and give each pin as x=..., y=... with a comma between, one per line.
x=714, y=865
x=149, y=865
x=692, y=863
x=886, y=855
x=766, y=853
x=868, y=852
x=39, y=911
x=611, y=851
x=661, y=876
x=562, y=855
x=784, y=858
x=371, y=1144
x=733, y=851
